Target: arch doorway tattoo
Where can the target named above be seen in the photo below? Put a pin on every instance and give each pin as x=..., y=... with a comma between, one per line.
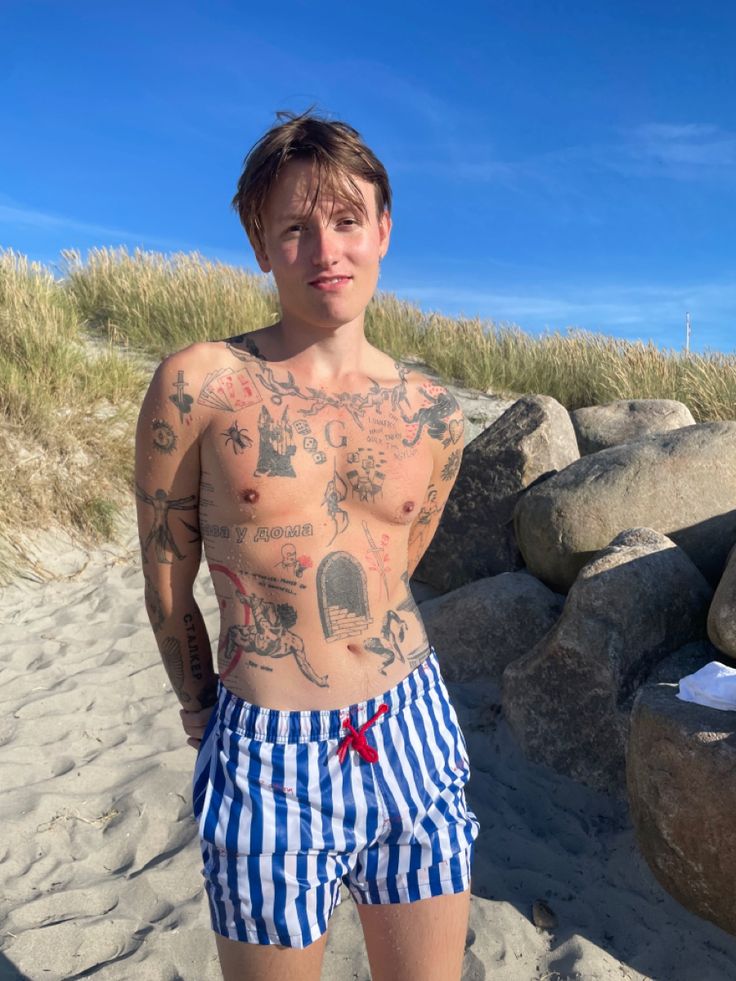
x=160, y=533
x=343, y=596
x=266, y=632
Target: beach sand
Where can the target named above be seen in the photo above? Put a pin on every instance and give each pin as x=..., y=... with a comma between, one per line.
x=99, y=863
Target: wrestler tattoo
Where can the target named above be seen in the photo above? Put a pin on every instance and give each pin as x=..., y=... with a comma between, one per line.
x=160, y=533
x=181, y=400
x=265, y=632
x=335, y=493
x=238, y=438
x=174, y=665
x=342, y=596
x=431, y=416
x=450, y=469
x=164, y=438
x=377, y=556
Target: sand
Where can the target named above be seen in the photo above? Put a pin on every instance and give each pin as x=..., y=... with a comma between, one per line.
x=99, y=863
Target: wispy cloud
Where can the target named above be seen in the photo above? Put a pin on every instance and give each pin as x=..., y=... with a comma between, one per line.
x=691, y=151
x=15, y=216
x=654, y=312
x=676, y=152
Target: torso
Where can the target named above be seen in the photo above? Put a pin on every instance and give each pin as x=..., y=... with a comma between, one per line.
x=307, y=499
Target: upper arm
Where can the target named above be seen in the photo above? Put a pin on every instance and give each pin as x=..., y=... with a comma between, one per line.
x=167, y=475
x=446, y=443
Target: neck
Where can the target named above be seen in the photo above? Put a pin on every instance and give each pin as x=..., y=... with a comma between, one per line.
x=320, y=352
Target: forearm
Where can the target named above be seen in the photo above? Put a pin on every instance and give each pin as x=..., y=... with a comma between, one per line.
x=185, y=650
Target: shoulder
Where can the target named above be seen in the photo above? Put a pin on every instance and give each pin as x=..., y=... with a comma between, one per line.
x=196, y=358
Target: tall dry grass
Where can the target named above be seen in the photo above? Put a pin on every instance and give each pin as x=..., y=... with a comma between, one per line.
x=75, y=356
x=160, y=304
x=66, y=410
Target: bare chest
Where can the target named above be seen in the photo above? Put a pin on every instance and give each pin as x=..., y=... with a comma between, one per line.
x=286, y=460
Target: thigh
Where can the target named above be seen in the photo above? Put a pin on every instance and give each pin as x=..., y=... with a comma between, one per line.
x=252, y=962
x=419, y=941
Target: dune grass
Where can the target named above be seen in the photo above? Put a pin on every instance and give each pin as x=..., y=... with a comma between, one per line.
x=160, y=304
x=67, y=410
x=76, y=353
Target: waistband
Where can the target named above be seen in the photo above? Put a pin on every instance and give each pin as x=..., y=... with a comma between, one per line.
x=283, y=726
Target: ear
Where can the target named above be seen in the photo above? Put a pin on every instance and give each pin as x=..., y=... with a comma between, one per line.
x=384, y=231
x=263, y=263
x=261, y=258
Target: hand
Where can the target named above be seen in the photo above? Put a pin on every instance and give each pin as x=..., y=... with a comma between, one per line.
x=195, y=723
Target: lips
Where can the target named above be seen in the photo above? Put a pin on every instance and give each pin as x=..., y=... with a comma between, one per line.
x=329, y=286
x=328, y=279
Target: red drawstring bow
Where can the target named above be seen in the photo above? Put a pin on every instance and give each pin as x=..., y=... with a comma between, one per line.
x=357, y=739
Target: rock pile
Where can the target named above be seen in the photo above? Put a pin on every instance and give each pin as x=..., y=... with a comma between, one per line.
x=579, y=555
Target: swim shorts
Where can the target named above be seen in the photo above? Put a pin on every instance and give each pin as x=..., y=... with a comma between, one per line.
x=291, y=804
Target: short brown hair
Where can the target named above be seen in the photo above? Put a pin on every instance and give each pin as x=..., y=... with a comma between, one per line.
x=337, y=149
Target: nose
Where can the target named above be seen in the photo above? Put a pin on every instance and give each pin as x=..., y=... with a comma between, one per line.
x=324, y=246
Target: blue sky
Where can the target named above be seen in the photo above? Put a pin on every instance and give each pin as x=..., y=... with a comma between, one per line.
x=553, y=164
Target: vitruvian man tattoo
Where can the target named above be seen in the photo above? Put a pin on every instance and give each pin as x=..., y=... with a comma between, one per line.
x=160, y=533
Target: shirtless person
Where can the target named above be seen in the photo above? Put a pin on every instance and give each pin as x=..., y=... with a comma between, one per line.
x=327, y=747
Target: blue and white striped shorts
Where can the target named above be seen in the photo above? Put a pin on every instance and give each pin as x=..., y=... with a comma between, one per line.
x=282, y=821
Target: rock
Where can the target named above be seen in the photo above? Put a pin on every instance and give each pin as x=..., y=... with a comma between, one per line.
x=567, y=700
x=722, y=613
x=543, y=916
x=682, y=483
x=600, y=426
x=480, y=628
x=480, y=410
x=475, y=537
x=680, y=761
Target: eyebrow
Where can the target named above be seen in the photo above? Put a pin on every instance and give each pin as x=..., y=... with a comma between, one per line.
x=347, y=206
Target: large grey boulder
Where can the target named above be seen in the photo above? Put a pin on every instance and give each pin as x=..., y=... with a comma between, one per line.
x=599, y=426
x=480, y=628
x=722, y=613
x=680, y=765
x=568, y=699
x=683, y=483
x=475, y=537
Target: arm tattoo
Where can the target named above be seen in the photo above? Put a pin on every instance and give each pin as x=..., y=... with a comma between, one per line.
x=160, y=533
x=171, y=655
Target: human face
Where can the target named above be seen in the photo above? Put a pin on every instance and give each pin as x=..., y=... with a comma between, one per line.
x=337, y=242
